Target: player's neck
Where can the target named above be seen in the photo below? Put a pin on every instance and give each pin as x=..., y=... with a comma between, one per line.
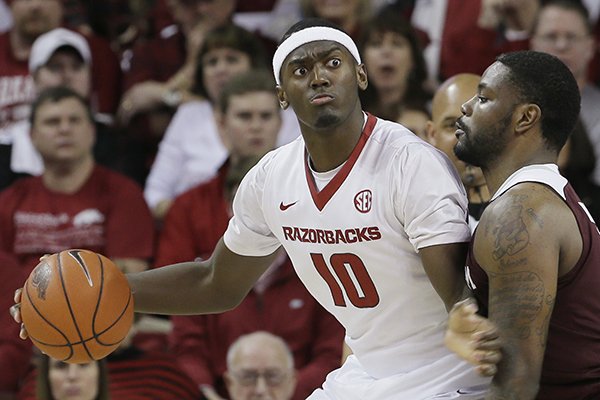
x=502, y=169
x=330, y=148
x=68, y=177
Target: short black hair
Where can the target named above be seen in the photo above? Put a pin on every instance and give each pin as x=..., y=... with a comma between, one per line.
x=308, y=23
x=543, y=79
x=56, y=94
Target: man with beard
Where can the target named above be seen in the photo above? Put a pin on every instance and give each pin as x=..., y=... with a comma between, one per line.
x=372, y=217
x=440, y=132
x=534, y=262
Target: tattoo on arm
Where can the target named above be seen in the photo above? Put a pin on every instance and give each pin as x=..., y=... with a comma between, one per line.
x=510, y=232
x=522, y=300
x=536, y=218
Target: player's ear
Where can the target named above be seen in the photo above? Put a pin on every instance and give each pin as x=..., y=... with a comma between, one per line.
x=430, y=133
x=528, y=115
x=282, y=98
x=361, y=76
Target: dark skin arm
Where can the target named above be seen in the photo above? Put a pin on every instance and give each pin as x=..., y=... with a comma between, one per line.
x=215, y=285
x=444, y=266
x=521, y=245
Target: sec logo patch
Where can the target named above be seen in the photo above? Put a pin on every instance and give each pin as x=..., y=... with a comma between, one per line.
x=363, y=201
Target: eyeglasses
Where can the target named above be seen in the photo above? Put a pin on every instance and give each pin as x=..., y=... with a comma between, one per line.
x=569, y=39
x=250, y=378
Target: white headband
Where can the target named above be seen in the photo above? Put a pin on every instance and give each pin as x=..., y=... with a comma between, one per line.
x=308, y=35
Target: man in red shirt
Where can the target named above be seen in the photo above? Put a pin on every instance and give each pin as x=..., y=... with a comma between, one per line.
x=75, y=203
x=17, y=91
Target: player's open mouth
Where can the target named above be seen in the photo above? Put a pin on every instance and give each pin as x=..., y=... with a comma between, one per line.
x=320, y=99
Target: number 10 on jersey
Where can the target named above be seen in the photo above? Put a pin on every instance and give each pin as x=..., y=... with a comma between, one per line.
x=358, y=287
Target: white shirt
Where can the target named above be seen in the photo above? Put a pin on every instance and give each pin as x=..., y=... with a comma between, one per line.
x=355, y=243
x=191, y=151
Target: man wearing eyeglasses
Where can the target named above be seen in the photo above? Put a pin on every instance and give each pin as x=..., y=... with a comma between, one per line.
x=260, y=366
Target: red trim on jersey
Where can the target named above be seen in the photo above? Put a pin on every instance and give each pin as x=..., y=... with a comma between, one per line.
x=321, y=198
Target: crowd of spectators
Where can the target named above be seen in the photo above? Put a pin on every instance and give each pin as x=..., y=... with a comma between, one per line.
x=125, y=127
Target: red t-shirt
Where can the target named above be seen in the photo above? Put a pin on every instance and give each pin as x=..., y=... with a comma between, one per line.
x=107, y=214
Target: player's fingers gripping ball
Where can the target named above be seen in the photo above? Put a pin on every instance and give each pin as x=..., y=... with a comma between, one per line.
x=77, y=306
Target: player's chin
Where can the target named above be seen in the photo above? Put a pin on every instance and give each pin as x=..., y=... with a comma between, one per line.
x=327, y=119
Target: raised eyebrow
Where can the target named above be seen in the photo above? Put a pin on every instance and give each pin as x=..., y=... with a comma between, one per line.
x=301, y=59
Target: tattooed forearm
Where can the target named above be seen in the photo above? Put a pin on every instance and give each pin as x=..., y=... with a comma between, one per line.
x=519, y=299
x=510, y=232
x=506, y=264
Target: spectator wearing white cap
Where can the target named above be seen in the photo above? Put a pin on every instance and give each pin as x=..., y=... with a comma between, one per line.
x=61, y=57
x=30, y=19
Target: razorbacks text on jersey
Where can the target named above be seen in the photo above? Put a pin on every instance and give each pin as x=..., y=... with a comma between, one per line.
x=355, y=242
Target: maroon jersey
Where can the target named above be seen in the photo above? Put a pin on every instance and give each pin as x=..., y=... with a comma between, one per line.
x=571, y=368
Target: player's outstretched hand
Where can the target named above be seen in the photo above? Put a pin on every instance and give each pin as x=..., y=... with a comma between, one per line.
x=473, y=337
x=15, y=311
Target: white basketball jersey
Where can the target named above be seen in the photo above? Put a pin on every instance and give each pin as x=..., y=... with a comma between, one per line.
x=355, y=243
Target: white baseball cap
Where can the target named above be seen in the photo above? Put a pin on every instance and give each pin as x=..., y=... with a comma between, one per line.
x=46, y=44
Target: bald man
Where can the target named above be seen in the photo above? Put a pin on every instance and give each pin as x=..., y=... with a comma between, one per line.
x=440, y=132
x=260, y=366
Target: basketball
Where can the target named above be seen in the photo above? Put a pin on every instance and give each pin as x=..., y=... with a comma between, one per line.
x=77, y=306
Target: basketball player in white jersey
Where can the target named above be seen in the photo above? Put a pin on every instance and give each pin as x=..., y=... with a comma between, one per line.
x=373, y=218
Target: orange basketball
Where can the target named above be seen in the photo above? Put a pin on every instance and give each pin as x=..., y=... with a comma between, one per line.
x=77, y=306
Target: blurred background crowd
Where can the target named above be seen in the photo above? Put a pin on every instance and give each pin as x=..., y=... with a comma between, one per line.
x=126, y=126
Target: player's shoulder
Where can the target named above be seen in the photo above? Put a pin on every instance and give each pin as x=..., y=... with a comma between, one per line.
x=398, y=143
x=525, y=207
x=283, y=156
x=397, y=137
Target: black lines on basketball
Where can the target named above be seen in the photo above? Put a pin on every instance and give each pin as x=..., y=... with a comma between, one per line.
x=69, y=305
x=77, y=306
x=35, y=308
x=76, y=254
